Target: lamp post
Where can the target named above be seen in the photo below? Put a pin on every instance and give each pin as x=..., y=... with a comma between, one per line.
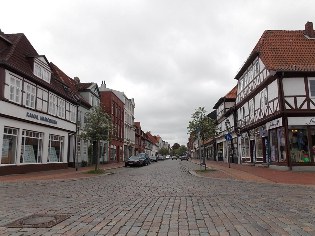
x=228, y=138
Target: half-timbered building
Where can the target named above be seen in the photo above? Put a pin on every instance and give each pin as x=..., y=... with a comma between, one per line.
x=226, y=138
x=38, y=112
x=276, y=100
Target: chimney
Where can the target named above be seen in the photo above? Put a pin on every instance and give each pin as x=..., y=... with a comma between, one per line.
x=103, y=86
x=77, y=80
x=309, y=31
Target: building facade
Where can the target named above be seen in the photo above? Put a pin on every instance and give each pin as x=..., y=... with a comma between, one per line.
x=112, y=102
x=276, y=100
x=37, y=112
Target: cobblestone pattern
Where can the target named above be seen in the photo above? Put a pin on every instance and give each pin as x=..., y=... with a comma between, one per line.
x=160, y=199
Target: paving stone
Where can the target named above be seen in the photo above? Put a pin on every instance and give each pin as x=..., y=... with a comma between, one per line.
x=161, y=199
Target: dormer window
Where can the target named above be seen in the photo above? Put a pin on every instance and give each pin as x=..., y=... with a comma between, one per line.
x=41, y=69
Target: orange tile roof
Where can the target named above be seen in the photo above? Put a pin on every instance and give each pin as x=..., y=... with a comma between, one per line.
x=284, y=50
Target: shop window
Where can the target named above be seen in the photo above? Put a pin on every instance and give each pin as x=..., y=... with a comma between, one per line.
x=245, y=148
x=31, y=148
x=299, y=145
x=9, y=145
x=55, y=149
x=112, y=154
x=274, y=146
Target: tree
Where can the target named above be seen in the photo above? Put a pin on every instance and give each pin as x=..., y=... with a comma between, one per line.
x=175, y=148
x=97, y=127
x=201, y=127
x=182, y=150
x=163, y=151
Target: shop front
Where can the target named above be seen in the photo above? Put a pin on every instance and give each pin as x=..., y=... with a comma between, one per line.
x=37, y=142
x=301, y=141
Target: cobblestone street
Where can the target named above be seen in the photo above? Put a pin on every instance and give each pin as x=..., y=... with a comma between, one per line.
x=160, y=199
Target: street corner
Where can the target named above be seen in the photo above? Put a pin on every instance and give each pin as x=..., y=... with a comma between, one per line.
x=210, y=173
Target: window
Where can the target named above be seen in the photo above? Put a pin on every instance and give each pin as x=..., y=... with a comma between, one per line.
x=42, y=99
x=9, y=145
x=42, y=70
x=52, y=104
x=61, y=108
x=73, y=113
x=29, y=95
x=31, y=148
x=299, y=144
x=312, y=86
x=13, y=89
x=55, y=149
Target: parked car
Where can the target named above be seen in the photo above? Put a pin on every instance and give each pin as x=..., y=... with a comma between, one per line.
x=174, y=157
x=135, y=161
x=168, y=157
x=184, y=157
x=146, y=156
x=161, y=157
x=153, y=158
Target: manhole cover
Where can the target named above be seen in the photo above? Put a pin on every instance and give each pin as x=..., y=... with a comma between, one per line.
x=38, y=221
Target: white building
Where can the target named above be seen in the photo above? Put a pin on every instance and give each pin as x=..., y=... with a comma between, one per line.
x=37, y=112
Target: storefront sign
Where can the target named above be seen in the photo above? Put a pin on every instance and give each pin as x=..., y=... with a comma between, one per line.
x=274, y=124
x=42, y=118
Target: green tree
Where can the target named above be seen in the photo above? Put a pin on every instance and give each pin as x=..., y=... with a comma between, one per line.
x=174, y=149
x=182, y=150
x=201, y=127
x=98, y=126
x=163, y=151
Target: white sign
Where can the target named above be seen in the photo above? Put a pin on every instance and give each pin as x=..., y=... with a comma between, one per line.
x=274, y=124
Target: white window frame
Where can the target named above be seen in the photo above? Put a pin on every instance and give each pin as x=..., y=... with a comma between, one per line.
x=13, y=91
x=29, y=94
x=42, y=99
x=52, y=108
x=61, y=107
x=309, y=86
x=41, y=70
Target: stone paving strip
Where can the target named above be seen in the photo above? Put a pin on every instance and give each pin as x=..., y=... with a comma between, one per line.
x=160, y=199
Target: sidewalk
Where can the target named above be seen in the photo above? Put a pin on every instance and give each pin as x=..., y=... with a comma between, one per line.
x=254, y=173
x=60, y=174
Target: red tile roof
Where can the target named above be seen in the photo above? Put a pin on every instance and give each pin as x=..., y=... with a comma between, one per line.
x=17, y=54
x=229, y=97
x=69, y=82
x=283, y=50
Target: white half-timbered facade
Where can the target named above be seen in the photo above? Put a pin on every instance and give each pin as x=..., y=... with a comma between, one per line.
x=37, y=112
x=275, y=101
x=226, y=139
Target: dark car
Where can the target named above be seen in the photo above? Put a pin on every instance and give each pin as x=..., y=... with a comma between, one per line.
x=135, y=161
x=184, y=157
x=146, y=157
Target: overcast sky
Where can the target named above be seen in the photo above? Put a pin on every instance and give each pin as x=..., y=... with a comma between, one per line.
x=171, y=56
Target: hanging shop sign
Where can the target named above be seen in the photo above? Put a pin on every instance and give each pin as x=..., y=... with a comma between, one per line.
x=274, y=124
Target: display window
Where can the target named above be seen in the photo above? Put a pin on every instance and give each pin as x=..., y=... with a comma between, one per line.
x=277, y=145
x=245, y=148
x=299, y=145
x=31, y=147
x=55, y=149
x=9, y=145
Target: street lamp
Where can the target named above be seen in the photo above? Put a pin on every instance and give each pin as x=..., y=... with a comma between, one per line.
x=228, y=138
